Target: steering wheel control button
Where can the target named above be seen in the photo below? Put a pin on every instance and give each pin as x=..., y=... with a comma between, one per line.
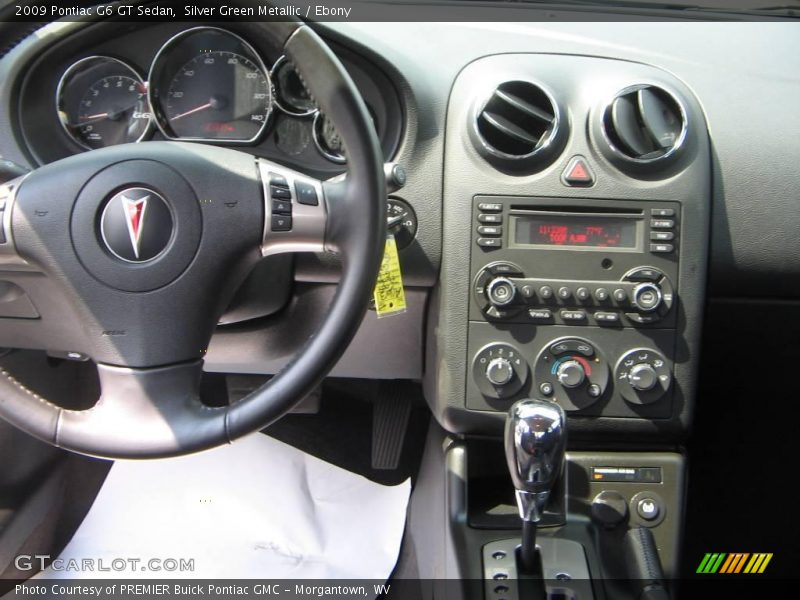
x=499, y=370
x=281, y=223
x=642, y=376
x=278, y=180
x=281, y=207
x=136, y=225
x=281, y=193
x=306, y=193
x=577, y=173
x=609, y=509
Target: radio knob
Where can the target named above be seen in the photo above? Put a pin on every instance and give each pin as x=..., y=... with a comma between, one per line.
x=501, y=291
x=499, y=371
x=647, y=297
x=642, y=377
x=570, y=374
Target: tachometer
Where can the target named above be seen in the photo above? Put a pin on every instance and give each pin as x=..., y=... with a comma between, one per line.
x=102, y=101
x=210, y=85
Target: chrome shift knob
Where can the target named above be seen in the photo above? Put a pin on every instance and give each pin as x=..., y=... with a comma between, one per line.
x=535, y=440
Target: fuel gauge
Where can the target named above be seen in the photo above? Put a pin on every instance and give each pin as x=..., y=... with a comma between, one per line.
x=102, y=102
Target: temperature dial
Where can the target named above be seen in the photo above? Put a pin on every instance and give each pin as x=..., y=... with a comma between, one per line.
x=499, y=370
x=573, y=372
x=570, y=374
x=642, y=376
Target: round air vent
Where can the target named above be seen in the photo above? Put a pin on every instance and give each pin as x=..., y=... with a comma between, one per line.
x=645, y=124
x=518, y=127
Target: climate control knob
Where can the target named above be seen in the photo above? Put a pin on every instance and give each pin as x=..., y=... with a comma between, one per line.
x=501, y=291
x=571, y=374
x=499, y=371
x=647, y=297
x=642, y=377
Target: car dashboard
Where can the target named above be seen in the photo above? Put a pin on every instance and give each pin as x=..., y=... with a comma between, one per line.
x=576, y=195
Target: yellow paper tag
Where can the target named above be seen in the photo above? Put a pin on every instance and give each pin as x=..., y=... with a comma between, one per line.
x=390, y=298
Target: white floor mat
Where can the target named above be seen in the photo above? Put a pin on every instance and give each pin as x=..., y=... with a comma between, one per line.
x=255, y=509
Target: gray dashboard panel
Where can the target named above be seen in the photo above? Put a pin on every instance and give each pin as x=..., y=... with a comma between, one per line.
x=583, y=85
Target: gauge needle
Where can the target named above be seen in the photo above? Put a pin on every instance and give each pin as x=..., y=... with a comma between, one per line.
x=205, y=106
x=97, y=116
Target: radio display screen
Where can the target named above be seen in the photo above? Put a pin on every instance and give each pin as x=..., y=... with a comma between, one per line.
x=575, y=231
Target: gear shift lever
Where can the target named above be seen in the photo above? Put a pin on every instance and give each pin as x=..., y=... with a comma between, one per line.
x=535, y=439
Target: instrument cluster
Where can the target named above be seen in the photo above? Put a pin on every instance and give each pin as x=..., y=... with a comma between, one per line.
x=205, y=84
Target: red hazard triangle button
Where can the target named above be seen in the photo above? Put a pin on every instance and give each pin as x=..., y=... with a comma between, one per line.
x=577, y=173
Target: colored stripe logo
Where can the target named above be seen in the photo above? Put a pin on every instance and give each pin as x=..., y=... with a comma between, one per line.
x=733, y=563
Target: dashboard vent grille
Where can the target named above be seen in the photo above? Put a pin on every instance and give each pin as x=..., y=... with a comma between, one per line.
x=645, y=123
x=518, y=121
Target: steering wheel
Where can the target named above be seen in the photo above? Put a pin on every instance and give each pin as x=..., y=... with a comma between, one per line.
x=146, y=243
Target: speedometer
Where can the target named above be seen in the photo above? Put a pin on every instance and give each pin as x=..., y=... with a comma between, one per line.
x=209, y=85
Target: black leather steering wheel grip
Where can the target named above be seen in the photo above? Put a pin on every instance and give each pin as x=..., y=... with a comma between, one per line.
x=148, y=322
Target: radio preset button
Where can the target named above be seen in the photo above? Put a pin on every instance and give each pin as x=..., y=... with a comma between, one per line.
x=545, y=292
x=583, y=294
x=490, y=218
x=490, y=207
x=564, y=292
x=490, y=230
x=620, y=295
x=527, y=291
x=490, y=242
x=662, y=223
x=601, y=294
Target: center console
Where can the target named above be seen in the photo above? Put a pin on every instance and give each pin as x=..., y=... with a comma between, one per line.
x=576, y=226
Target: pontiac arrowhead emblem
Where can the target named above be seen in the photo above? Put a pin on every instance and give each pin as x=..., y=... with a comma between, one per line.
x=136, y=225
